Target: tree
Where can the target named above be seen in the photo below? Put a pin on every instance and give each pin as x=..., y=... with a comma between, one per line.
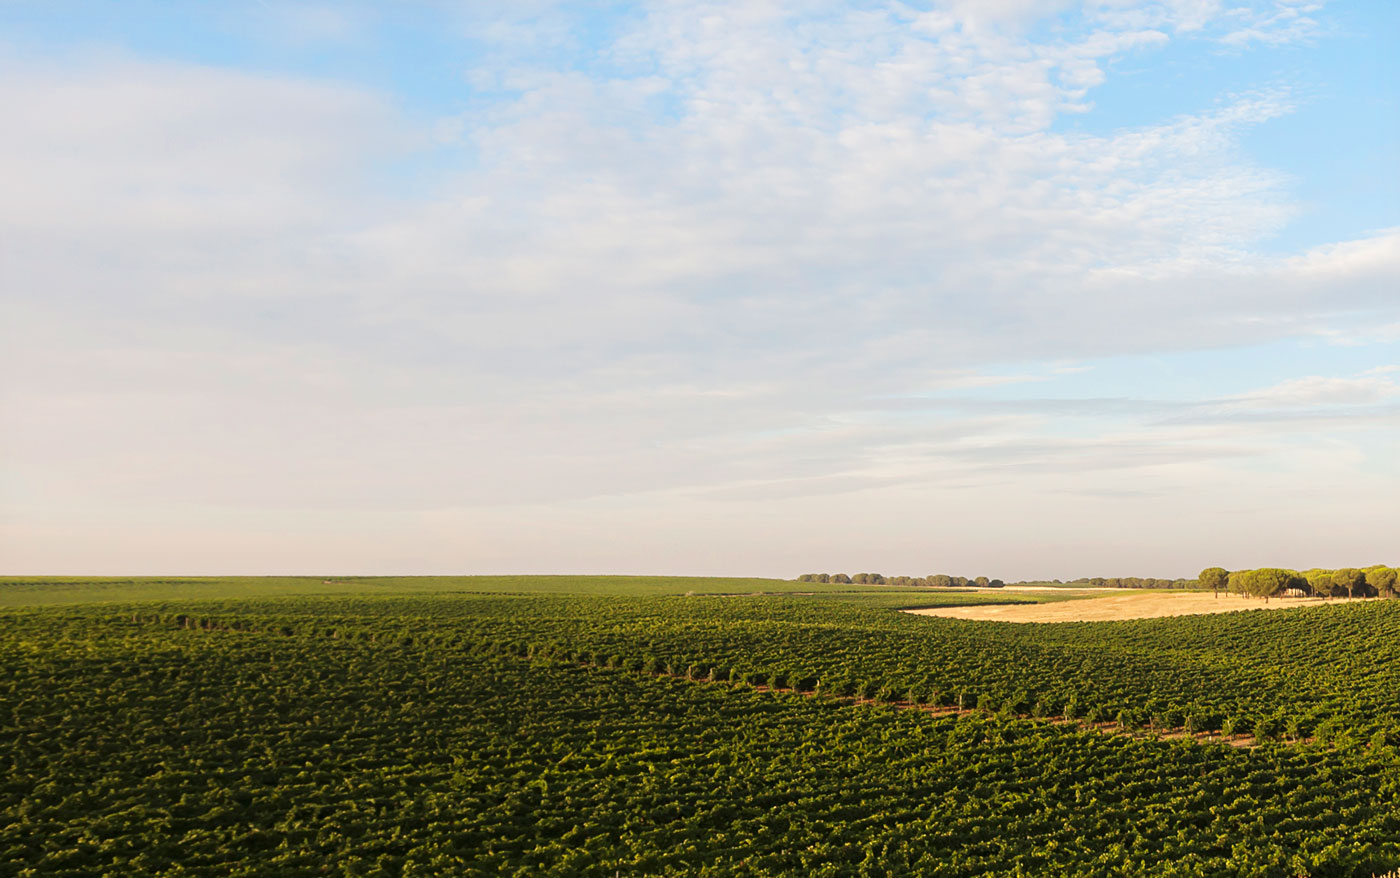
x=1214, y=578
x=1349, y=578
x=840, y=579
x=940, y=580
x=1236, y=584
x=983, y=582
x=1320, y=581
x=1266, y=582
x=1383, y=580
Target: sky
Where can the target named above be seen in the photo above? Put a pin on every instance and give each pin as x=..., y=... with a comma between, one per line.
x=1018, y=288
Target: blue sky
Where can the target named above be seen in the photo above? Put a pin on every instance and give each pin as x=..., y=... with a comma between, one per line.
x=1024, y=287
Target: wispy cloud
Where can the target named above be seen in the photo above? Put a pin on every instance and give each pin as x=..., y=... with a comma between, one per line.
x=1288, y=21
x=1317, y=390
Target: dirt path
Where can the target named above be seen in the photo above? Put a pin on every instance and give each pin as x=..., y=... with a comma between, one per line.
x=1133, y=605
x=1103, y=728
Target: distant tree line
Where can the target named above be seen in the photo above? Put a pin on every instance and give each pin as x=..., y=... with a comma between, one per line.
x=1131, y=582
x=938, y=580
x=1378, y=581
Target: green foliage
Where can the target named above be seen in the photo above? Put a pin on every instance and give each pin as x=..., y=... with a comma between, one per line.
x=1214, y=578
x=1306, y=662
x=1383, y=580
x=496, y=733
x=1266, y=582
x=1127, y=582
x=1319, y=582
x=35, y=591
x=158, y=750
x=1349, y=581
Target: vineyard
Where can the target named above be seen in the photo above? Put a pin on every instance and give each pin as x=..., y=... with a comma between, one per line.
x=635, y=727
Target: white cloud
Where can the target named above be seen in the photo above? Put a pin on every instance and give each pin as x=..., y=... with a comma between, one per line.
x=1288, y=21
x=1238, y=24
x=1317, y=390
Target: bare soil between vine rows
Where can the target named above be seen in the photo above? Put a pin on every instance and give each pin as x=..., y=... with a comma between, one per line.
x=1106, y=728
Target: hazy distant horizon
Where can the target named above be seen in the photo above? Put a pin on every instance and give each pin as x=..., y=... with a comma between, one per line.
x=1025, y=289
x=593, y=574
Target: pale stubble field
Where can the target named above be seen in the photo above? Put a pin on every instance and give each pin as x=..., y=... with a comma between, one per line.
x=1111, y=605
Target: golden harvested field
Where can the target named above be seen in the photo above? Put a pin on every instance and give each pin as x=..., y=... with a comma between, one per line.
x=1094, y=606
